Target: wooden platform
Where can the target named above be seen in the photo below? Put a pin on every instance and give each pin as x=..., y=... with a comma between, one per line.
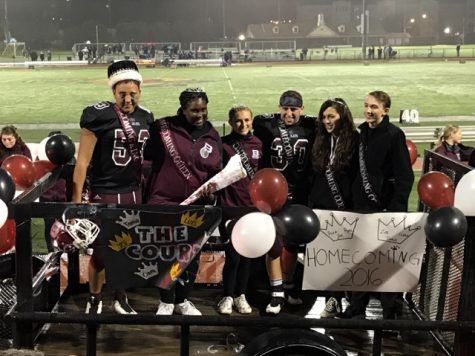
x=66, y=339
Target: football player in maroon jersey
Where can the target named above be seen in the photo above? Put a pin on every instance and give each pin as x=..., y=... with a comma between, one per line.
x=113, y=165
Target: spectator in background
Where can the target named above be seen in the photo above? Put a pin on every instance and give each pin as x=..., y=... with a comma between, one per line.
x=49, y=55
x=450, y=144
x=12, y=144
x=42, y=56
x=237, y=268
x=458, y=49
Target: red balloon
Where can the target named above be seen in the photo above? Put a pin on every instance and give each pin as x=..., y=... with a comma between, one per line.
x=42, y=167
x=7, y=235
x=268, y=190
x=21, y=169
x=412, y=148
x=436, y=190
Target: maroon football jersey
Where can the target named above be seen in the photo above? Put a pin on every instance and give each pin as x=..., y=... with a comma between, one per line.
x=112, y=169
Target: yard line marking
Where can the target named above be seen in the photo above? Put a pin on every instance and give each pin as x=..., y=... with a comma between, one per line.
x=304, y=78
x=230, y=85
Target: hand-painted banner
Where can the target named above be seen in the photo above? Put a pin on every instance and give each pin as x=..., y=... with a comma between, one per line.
x=365, y=252
x=153, y=248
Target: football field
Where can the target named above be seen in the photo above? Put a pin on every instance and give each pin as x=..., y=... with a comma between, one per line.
x=55, y=97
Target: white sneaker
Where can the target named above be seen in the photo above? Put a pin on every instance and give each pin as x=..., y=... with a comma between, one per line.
x=331, y=309
x=165, y=309
x=122, y=306
x=225, y=305
x=242, y=305
x=186, y=308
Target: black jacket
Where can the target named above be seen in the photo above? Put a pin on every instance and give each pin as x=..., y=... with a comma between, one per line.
x=389, y=168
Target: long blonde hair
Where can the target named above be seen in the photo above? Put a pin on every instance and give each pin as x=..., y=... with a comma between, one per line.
x=445, y=133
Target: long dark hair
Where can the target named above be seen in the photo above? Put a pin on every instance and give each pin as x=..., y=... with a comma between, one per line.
x=19, y=144
x=347, y=136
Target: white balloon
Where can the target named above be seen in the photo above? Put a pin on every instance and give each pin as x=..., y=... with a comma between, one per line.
x=41, y=150
x=3, y=212
x=465, y=194
x=253, y=235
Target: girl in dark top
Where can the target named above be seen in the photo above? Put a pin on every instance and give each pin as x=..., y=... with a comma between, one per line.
x=12, y=144
x=236, y=268
x=448, y=143
x=335, y=163
x=185, y=151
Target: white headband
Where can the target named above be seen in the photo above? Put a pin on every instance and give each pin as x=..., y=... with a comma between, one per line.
x=124, y=74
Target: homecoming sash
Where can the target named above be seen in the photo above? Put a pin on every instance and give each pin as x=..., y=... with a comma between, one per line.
x=337, y=197
x=284, y=135
x=244, y=159
x=130, y=141
x=167, y=140
x=368, y=188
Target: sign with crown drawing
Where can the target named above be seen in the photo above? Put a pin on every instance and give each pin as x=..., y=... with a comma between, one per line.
x=365, y=252
x=153, y=248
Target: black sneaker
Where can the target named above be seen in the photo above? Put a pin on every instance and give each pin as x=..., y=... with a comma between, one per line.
x=122, y=306
x=293, y=294
x=94, y=305
x=276, y=303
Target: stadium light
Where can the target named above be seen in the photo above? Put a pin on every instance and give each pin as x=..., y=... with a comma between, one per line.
x=241, y=37
x=447, y=30
x=412, y=20
x=424, y=16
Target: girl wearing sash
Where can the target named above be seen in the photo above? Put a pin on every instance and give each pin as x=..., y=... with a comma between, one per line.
x=335, y=165
x=185, y=151
x=112, y=134
x=237, y=268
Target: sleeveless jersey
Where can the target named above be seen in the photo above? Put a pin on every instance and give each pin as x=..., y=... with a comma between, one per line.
x=112, y=169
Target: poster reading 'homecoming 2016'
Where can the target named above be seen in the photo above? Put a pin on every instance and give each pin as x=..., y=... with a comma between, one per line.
x=365, y=252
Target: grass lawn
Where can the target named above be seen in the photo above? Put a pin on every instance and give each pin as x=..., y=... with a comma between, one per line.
x=56, y=96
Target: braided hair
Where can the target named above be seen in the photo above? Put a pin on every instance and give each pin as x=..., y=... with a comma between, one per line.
x=191, y=94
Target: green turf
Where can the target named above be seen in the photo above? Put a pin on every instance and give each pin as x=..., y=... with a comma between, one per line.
x=46, y=95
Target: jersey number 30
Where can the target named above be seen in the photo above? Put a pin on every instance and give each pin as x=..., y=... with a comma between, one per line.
x=279, y=160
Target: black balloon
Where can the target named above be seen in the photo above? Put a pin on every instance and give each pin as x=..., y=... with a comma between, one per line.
x=446, y=227
x=60, y=149
x=7, y=186
x=298, y=224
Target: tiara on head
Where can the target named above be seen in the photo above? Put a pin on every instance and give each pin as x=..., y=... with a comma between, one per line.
x=194, y=90
x=334, y=100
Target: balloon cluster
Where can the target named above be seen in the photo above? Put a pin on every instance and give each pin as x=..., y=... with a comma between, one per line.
x=446, y=224
x=254, y=234
x=18, y=173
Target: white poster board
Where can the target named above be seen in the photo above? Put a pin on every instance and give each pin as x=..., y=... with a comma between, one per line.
x=365, y=252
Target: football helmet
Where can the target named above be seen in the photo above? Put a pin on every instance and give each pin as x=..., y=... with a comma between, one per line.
x=79, y=233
